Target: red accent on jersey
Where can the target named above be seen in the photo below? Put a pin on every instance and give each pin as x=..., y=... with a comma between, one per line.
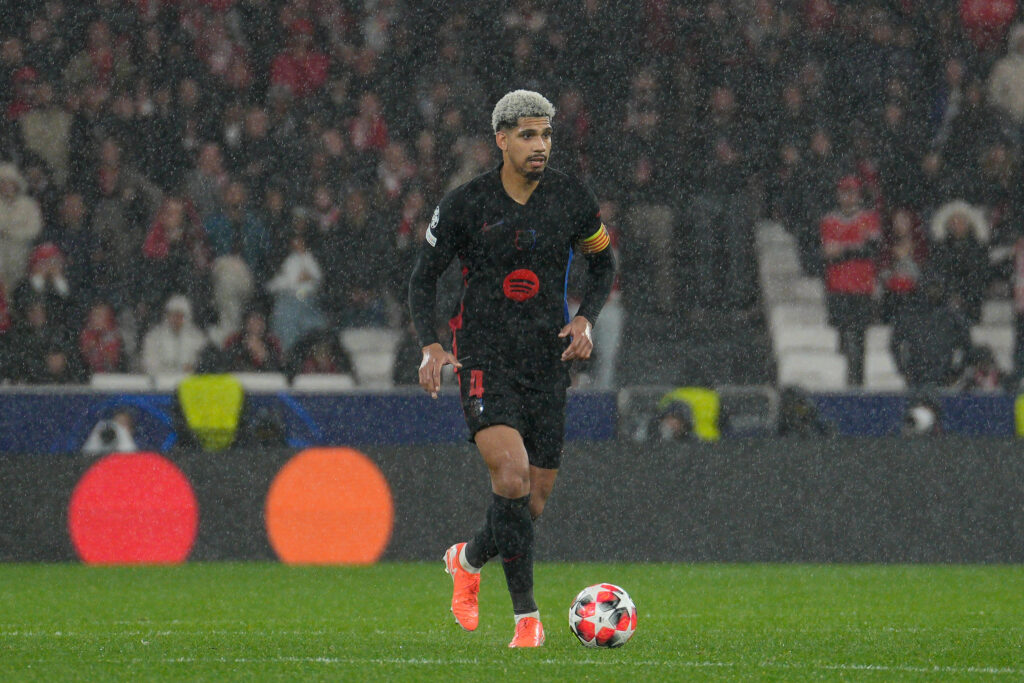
x=857, y=275
x=476, y=383
x=520, y=285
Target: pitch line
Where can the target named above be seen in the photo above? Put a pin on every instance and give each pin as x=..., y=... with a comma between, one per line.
x=424, y=661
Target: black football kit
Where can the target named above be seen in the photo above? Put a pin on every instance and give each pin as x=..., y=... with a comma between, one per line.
x=515, y=262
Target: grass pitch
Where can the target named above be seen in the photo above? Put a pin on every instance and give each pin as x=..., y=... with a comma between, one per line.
x=391, y=622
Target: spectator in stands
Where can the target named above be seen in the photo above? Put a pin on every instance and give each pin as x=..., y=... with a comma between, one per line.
x=982, y=373
x=646, y=176
x=1006, y=81
x=175, y=256
x=358, y=258
x=77, y=242
x=295, y=289
x=46, y=282
x=960, y=256
x=41, y=352
x=985, y=21
x=320, y=352
x=205, y=185
x=174, y=345
x=20, y=223
x=100, y=343
x=850, y=237
x=301, y=69
x=101, y=61
x=815, y=184
x=254, y=348
x=901, y=261
x=254, y=160
x=235, y=230
x=368, y=131
x=930, y=339
x=46, y=131
x=123, y=202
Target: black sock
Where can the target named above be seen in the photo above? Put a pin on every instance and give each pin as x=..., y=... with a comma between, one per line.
x=513, y=536
x=481, y=547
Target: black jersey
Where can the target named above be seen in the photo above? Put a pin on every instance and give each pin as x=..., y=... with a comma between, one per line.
x=515, y=260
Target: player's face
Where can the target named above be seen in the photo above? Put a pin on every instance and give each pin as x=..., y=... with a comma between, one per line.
x=527, y=147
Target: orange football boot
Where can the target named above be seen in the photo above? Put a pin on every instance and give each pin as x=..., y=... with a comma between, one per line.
x=529, y=633
x=464, y=594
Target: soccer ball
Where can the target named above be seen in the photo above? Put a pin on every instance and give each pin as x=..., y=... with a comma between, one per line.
x=602, y=615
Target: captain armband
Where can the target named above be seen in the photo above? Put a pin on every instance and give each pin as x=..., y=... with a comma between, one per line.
x=597, y=242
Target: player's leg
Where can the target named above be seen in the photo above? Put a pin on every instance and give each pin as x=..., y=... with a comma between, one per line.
x=481, y=548
x=504, y=453
x=542, y=480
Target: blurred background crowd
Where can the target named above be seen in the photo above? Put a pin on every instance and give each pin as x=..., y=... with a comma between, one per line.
x=234, y=182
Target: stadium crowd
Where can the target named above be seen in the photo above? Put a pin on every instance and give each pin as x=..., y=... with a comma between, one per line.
x=251, y=176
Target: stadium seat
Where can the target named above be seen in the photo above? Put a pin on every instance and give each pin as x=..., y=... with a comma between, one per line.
x=262, y=381
x=168, y=381
x=373, y=368
x=119, y=381
x=770, y=233
x=323, y=383
x=880, y=373
x=877, y=338
x=776, y=260
x=804, y=337
x=788, y=315
x=812, y=370
x=998, y=312
x=1000, y=339
x=360, y=339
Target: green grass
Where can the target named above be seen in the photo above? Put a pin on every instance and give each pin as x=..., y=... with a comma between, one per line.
x=391, y=622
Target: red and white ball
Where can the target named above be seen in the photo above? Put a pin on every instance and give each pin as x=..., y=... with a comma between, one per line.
x=602, y=615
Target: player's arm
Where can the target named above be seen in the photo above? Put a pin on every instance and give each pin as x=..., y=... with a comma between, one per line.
x=435, y=254
x=596, y=248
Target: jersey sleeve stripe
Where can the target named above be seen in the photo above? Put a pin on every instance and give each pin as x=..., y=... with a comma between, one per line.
x=597, y=242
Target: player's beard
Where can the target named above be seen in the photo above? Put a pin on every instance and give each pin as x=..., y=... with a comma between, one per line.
x=534, y=176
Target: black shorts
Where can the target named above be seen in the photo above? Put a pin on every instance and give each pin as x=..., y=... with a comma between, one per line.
x=489, y=398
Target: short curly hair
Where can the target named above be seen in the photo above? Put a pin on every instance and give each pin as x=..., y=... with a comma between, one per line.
x=517, y=104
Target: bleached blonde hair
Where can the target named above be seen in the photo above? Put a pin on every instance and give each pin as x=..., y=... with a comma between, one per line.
x=518, y=104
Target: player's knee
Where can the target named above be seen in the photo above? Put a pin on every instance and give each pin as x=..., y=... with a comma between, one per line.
x=511, y=482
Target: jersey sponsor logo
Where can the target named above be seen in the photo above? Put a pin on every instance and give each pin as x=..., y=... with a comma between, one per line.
x=526, y=240
x=431, y=237
x=521, y=285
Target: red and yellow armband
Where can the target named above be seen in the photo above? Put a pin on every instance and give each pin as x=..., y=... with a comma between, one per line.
x=599, y=241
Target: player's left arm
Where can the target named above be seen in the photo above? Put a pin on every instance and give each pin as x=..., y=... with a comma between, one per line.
x=596, y=248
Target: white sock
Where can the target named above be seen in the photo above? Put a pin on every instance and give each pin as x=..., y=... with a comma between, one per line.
x=535, y=615
x=464, y=563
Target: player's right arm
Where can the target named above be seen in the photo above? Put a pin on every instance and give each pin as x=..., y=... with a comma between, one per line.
x=438, y=249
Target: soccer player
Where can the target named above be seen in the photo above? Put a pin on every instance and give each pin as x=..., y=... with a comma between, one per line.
x=514, y=229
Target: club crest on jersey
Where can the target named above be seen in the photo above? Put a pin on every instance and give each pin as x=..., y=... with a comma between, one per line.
x=476, y=407
x=431, y=237
x=521, y=285
x=526, y=240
